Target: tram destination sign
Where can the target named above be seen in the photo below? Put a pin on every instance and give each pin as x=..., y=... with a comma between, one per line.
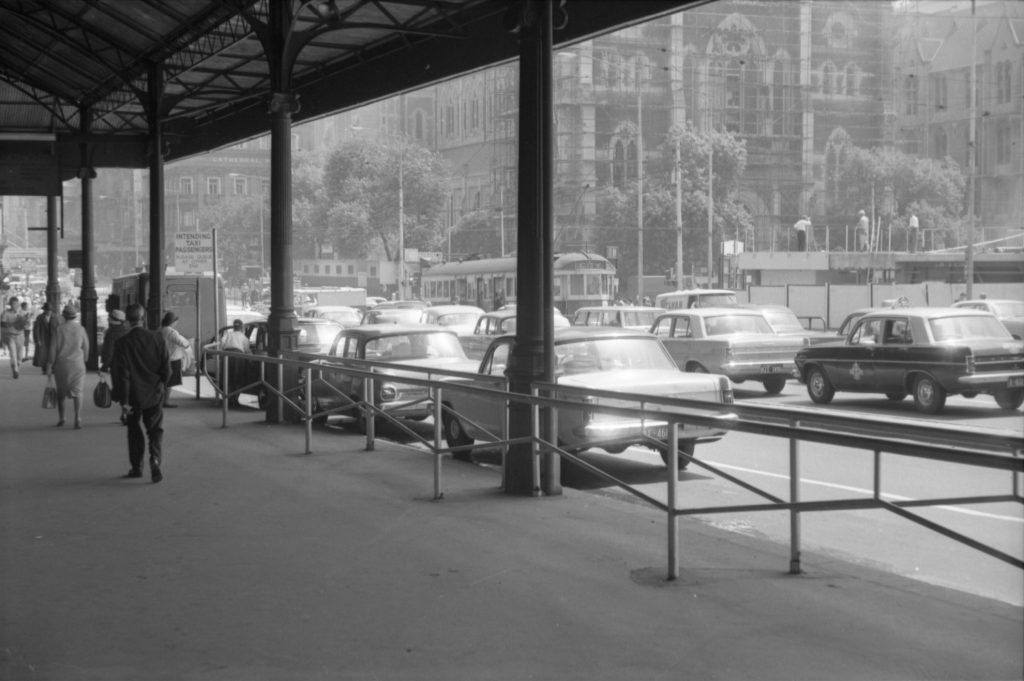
x=193, y=252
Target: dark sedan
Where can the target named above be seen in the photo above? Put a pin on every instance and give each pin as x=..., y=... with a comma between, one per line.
x=929, y=353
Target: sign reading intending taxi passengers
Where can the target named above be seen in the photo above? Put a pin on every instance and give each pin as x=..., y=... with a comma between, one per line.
x=193, y=252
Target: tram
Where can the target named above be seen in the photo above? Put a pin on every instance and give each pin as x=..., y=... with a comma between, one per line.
x=579, y=280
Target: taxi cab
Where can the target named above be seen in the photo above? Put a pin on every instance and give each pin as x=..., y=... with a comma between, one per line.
x=929, y=353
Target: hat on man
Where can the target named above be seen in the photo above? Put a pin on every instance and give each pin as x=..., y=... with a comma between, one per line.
x=69, y=312
x=116, y=316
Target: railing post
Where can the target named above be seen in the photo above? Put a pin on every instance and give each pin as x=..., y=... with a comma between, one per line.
x=504, y=435
x=280, y=386
x=535, y=442
x=794, y=497
x=438, y=408
x=673, y=487
x=224, y=399
x=369, y=421
x=307, y=387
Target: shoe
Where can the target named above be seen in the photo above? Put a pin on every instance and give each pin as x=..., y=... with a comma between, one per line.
x=133, y=473
x=78, y=425
x=155, y=474
x=15, y=374
x=60, y=423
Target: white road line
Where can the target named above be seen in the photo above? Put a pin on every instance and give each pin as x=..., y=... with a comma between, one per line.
x=859, y=490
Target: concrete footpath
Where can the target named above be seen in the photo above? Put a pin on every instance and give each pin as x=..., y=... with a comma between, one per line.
x=252, y=561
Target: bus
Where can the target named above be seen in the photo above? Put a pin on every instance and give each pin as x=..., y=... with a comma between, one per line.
x=579, y=280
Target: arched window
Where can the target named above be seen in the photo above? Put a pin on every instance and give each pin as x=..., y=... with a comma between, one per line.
x=852, y=79
x=828, y=78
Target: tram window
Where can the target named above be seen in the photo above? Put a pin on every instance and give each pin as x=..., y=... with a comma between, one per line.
x=576, y=287
x=593, y=284
x=556, y=287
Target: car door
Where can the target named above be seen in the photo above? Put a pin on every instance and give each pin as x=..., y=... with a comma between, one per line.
x=486, y=412
x=852, y=365
x=344, y=347
x=892, y=355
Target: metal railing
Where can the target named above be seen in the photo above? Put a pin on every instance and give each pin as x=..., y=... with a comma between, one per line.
x=973, y=448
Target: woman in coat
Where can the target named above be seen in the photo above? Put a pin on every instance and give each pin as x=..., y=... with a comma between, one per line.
x=68, y=349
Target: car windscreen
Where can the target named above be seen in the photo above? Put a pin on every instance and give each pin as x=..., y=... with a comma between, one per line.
x=406, y=346
x=457, y=319
x=966, y=328
x=1011, y=308
x=317, y=334
x=783, y=320
x=611, y=354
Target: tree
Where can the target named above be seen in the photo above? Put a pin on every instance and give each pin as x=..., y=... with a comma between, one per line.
x=361, y=197
x=934, y=189
x=616, y=221
x=237, y=221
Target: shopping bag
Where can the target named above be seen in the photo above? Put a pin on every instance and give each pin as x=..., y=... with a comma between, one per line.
x=49, y=394
x=101, y=394
x=188, y=364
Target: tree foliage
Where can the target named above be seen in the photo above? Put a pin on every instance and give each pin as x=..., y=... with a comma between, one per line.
x=616, y=220
x=237, y=221
x=360, y=198
x=899, y=183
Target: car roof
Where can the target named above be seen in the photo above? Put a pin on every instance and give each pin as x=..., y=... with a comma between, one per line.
x=380, y=330
x=445, y=309
x=926, y=312
x=698, y=291
x=975, y=301
x=605, y=308
x=333, y=308
x=710, y=311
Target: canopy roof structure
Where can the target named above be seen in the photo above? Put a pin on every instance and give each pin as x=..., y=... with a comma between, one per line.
x=77, y=71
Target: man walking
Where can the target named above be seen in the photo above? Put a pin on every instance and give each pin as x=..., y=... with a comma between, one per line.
x=12, y=333
x=913, y=229
x=800, y=227
x=863, y=227
x=139, y=374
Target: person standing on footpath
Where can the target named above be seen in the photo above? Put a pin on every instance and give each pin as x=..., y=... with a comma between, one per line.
x=42, y=332
x=176, y=346
x=12, y=333
x=68, y=349
x=139, y=374
x=235, y=340
x=26, y=324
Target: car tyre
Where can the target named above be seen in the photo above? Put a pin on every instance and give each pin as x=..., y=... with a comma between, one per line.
x=455, y=435
x=929, y=395
x=774, y=384
x=685, y=447
x=819, y=387
x=695, y=368
x=896, y=397
x=1010, y=399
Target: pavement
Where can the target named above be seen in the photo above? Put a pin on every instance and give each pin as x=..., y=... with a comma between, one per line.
x=253, y=561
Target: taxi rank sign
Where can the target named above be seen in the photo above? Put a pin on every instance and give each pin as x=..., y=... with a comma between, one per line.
x=193, y=252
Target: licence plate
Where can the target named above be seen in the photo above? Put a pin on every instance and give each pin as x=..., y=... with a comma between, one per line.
x=658, y=432
x=1015, y=382
x=771, y=369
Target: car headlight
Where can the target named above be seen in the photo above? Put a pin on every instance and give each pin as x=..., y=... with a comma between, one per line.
x=388, y=392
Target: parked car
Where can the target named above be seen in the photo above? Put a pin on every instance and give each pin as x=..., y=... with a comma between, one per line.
x=621, y=316
x=849, y=320
x=734, y=341
x=498, y=323
x=459, y=318
x=409, y=345
x=599, y=359
x=1009, y=312
x=929, y=353
x=343, y=314
x=697, y=297
x=312, y=339
x=785, y=323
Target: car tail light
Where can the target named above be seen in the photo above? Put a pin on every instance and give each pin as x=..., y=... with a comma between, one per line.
x=726, y=387
x=969, y=362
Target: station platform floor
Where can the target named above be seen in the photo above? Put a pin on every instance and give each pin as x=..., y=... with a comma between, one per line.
x=253, y=561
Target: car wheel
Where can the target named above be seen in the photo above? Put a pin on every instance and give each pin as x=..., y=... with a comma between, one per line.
x=970, y=394
x=261, y=397
x=819, y=387
x=1010, y=399
x=685, y=447
x=455, y=435
x=774, y=385
x=695, y=368
x=929, y=396
x=895, y=397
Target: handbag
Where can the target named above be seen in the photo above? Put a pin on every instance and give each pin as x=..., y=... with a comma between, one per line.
x=49, y=394
x=101, y=394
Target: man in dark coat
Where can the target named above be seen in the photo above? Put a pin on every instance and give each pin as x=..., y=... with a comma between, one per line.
x=139, y=374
